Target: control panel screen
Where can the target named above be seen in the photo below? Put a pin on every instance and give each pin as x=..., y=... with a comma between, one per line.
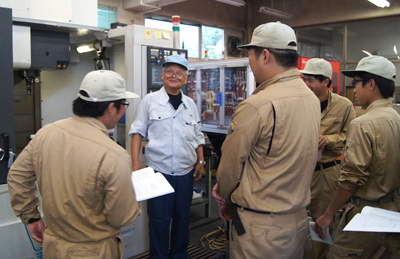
x=156, y=73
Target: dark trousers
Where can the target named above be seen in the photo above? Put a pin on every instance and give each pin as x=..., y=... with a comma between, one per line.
x=175, y=207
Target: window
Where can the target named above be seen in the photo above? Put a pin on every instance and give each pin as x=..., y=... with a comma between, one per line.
x=106, y=16
x=213, y=38
x=213, y=42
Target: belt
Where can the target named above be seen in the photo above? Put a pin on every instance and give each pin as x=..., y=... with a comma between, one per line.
x=386, y=199
x=321, y=166
x=237, y=222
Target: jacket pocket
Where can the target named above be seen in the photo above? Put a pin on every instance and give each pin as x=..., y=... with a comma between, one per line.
x=345, y=252
x=331, y=125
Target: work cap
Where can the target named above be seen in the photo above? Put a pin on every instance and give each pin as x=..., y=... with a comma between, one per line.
x=318, y=66
x=376, y=65
x=176, y=59
x=103, y=86
x=274, y=35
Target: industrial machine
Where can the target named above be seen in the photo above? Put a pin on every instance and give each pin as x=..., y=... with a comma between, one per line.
x=218, y=87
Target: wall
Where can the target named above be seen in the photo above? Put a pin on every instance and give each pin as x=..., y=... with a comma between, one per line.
x=316, y=12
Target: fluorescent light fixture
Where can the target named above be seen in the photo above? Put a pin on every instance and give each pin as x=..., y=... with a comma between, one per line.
x=88, y=47
x=395, y=49
x=274, y=12
x=380, y=3
x=366, y=52
x=233, y=2
x=349, y=33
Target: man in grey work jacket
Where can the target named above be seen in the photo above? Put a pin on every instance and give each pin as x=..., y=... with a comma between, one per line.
x=336, y=114
x=84, y=177
x=371, y=162
x=169, y=120
x=270, y=152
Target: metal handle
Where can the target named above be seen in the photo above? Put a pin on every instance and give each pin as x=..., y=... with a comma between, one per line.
x=6, y=140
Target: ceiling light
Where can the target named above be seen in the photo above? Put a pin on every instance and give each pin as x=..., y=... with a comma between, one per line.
x=349, y=33
x=366, y=52
x=274, y=12
x=380, y=3
x=233, y=2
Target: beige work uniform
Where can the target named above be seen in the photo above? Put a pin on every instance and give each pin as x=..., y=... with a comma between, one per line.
x=334, y=122
x=271, y=175
x=371, y=170
x=84, y=178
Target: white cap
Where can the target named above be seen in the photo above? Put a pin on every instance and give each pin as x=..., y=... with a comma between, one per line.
x=103, y=86
x=274, y=35
x=376, y=65
x=318, y=66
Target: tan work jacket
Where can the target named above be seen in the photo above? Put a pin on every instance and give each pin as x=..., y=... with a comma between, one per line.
x=273, y=175
x=335, y=120
x=84, y=178
x=371, y=163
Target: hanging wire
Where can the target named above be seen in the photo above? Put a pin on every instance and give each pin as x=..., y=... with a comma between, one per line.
x=39, y=253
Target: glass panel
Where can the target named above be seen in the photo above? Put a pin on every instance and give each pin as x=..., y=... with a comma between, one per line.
x=327, y=43
x=105, y=16
x=190, y=39
x=191, y=83
x=210, y=96
x=213, y=42
x=235, y=90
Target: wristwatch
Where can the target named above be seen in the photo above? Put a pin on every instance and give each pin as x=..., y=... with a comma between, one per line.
x=202, y=162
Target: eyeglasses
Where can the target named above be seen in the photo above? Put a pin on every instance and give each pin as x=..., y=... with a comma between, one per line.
x=354, y=82
x=126, y=103
x=170, y=73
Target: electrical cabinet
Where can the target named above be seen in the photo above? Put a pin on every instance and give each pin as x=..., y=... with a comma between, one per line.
x=217, y=88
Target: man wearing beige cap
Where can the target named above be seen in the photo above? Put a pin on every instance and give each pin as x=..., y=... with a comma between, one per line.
x=336, y=114
x=84, y=177
x=371, y=163
x=270, y=152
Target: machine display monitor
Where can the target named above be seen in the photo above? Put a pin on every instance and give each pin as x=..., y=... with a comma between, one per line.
x=156, y=73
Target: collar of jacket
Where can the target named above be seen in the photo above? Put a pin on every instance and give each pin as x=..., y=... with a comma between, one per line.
x=164, y=98
x=379, y=103
x=331, y=100
x=282, y=77
x=93, y=122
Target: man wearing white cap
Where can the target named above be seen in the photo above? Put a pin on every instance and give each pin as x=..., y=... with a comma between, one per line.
x=336, y=114
x=169, y=120
x=84, y=177
x=371, y=163
x=270, y=152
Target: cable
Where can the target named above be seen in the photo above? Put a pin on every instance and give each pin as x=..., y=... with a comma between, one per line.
x=215, y=239
x=39, y=253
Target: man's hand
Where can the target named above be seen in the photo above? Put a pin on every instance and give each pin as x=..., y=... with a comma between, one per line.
x=198, y=172
x=321, y=224
x=224, y=212
x=218, y=198
x=136, y=165
x=36, y=229
x=322, y=142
